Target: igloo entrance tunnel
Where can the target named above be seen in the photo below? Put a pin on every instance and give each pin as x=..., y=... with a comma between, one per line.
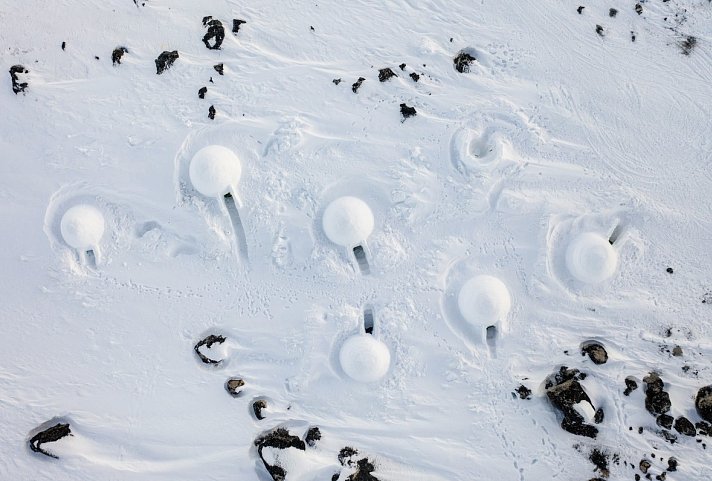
x=348, y=221
x=484, y=302
x=82, y=228
x=590, y=258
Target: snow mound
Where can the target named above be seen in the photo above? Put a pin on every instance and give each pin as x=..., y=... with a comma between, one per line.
x=82, y=227
x=347, y=221
x=364, y=358
x=590, y=258
x=215, y=170
x=484, y=300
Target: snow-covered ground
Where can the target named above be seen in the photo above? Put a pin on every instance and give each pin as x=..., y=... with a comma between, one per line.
x=555, y=131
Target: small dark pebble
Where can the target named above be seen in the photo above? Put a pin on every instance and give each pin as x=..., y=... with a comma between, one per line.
x=644, y=465
x=414, y=76
x=677, y=351
x=672, y=464
x=638, y=8
x=96, y=57
x=234, y=386
x=117, y=54
x=236, y=22
x=668, y=436
x=386, y=74
x=640, y=429
x=202, y=92
x=211, y=112
x=258, y=406
x=407, y=111
x=598, y=417
x=64, y=45
x=356, y=85
x=219, y=68
x=632, y=36
x=687, y=45
x=630, y=386
x=524, y=392
x=313, y=435
x=612, y=12
x=599, y=30
x=669, y=270
x=402, y=66
x=18, y=86
x=463, y=61
x=580, y=9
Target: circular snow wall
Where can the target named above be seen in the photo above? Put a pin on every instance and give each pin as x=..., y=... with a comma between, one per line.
x=347, y=221
x=364, y=358
x=484, y=300
x=82, y=227
x=590, y=258
x=214, y=170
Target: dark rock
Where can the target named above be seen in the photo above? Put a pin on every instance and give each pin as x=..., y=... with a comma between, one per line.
x=18, y=86
x=600, y=461
x=685, y=427
x=357, y=84
x=632, y=36
x=234, y=386
x=279, y=439
x=644, y=465
x=386, y=74
x=580, y=9
x=49, y=435
x=463, y=61
x=688, y=44
x=313, y=435
x=117, y=54
x=258, y=406
x=638, y=8
x=215, y=31
x=211, y=112
x=208, y=342
x=414, y=76
x=657, y=401
x=665, y=421
x=672, y=465
x=630, y=386
x=64, y=45
x=165, y=61
x=598, y=417
x=407, y=112
x=311, y=27
x=363, y=471
x=236, y=22
x=612, y=12
x=202, y=92
x=96, y=57
x=669, y=270
x=402, y=66
x=346, y=454
x=219, y=68
x=524, y=392
x=564, y=392
x=704, y=428
x=677, y=351
x=668, y=436
x=335, y=477
x=599, y=30
x=336, y=81
x=596, y=352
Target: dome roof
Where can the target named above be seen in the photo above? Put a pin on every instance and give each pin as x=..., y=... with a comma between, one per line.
x=82, y=227
x=590, y=258
x=348, y=221
x=484, y=300
x=364, y=358
x=214, y=170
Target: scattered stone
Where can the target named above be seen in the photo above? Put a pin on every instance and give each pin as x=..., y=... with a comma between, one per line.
x=638, y=8
x=668, y=436
x=564, y=392
x=704, y=428
x=202, y=92
x=407, y=111
x=630, y=386
x=215, y=31
x=703, y=403
x=580, y=9
x=346, y=454
x=335, y=477
x=336, y=81
x=313, y=435
x=414, y=76
x=669, y=270
x=688, y=44
x=64, y=45
x=685, y=427
x=363, y=471
x=644, y=465
x=279, y=439
x=165, y=61
x=600, y=460
x=524, y=392
x=96, y=57
x=117, y=54
x=612, y=12
x=707, y=298
x=258, y=406
x=386, y=74
x=665, y=421
x=596, y=352
x=208, y=342
x=211, y=112
x=599, y=30
x=219, y=68
x=357, y=84
x=677, y=351
x=672, y=465
x=402, y=66
x=598, y=417
x=463, y=61
x=236, y=22
x=18, y=86
x=657, y=401
x=49, y=435
x=632, y=36
x=234, y=386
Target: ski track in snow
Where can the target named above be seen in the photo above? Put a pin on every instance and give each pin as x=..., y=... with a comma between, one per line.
x=555, y=131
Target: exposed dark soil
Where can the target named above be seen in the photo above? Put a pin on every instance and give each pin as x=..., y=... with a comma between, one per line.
x=688, y=44
x=356, y=85
x=313, y=435
x=407, y=112
x=117, y=54
x=49, y=435
x=165, y=61
x=463, y=61
x=385, y=74
x=209, y=342
x=18, y=86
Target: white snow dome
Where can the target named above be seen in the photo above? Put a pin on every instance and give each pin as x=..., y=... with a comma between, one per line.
x=591, y=258
x=348, y=221
x=214, y=170
x=364, y=358
x=484, y=300
x=82, y=227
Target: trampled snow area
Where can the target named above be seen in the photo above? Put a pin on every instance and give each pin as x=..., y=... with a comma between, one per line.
x=555, y=130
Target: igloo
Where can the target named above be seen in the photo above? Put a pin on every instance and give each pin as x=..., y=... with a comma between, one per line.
x=484, y=302
x=82, y=227
x=590, y=258
x=348, y=221
x=364, y=358
x=215, y=170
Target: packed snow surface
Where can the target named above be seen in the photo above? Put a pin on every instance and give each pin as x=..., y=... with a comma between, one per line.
x=364, y=358
x=82, y=226
x=348, y=221
x=563, y=121
x=591, y=258
x=484, y=300
x=215, y=170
